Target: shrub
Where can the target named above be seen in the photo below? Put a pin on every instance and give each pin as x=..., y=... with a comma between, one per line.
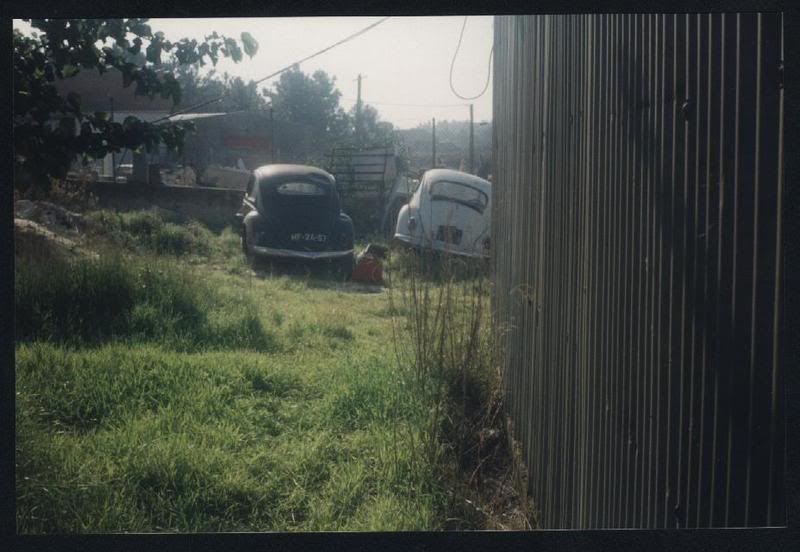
x=179, y=239
x=202, y=237
x=104, y=221
x=163, y=232
x=173, y=239
x=230, y=243
x=142, y=223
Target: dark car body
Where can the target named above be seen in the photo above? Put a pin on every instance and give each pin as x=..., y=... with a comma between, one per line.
x=293, y=211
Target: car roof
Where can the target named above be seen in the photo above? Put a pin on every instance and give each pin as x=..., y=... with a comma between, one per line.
x=433, y=175
x=266, y=172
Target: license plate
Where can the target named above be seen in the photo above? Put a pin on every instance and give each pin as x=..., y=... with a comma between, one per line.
x=449, y=234
x=307, y=237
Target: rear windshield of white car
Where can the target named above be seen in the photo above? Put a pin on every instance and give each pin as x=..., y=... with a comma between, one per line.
x=445, y=190
x=301, y=189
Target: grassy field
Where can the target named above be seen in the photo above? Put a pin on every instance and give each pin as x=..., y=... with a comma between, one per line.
x=166, y=387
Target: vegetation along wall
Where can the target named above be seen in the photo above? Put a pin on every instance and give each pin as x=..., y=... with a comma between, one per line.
x=637, y=252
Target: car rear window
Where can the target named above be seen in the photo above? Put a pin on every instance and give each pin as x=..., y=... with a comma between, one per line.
x=446, y=190
x=301, y=188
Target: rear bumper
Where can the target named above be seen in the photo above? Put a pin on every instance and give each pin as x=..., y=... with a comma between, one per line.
x=404, y=238
x=440, y=247
x=294, y=254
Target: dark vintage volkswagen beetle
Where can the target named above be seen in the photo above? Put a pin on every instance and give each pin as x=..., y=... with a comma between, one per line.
x=293, y=211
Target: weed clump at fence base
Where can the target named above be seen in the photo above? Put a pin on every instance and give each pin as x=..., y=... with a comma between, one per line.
x=444, y=337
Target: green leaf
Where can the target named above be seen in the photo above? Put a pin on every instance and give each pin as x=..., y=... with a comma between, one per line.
x=137, y=46
x=250, y=44
x=154, y=52
x=138, y=27
x=70, y=71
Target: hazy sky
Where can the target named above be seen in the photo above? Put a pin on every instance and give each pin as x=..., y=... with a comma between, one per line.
x=405, y=60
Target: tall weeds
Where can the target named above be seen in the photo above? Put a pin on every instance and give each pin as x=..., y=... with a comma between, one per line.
x=444, y=339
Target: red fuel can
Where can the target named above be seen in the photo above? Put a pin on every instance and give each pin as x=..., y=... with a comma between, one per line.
x=369, y=265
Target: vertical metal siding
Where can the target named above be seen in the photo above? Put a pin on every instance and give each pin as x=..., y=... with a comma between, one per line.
x=637, y=258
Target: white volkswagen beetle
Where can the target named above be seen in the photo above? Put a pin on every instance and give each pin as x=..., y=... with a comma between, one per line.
x=449, y=212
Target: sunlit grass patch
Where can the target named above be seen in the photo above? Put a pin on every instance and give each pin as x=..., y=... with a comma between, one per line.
x=206, y=442
x=184, y=392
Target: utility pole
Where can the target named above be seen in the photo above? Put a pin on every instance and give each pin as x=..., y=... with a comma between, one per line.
x=113, y=154
x=359, y=137
x=471, y=141
x=433, y=165
x=271, y=136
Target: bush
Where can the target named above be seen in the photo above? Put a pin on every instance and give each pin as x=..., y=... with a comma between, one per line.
x=230, y=243
x=158, y=230
x=74, y=195
x=142, y=223
x=104, y=221
x=173, y=239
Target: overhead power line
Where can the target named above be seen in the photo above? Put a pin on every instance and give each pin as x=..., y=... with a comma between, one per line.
x=279, y=71
x=406, y=104
x=334, y=45
x=453, y=63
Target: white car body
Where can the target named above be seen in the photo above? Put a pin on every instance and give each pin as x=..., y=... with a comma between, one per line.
x=450, y=212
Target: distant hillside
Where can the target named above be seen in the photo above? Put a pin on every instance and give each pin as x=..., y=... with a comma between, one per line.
x=452, y=144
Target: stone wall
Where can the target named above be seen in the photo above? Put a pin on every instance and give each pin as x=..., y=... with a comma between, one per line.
x=213, y=206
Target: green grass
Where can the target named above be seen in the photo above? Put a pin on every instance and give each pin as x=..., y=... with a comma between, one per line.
x=135, y=299
x=140, y=439
x=170, y=392
x=165, y=233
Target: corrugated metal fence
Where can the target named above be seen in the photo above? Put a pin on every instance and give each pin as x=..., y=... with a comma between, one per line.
x=637, y=256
